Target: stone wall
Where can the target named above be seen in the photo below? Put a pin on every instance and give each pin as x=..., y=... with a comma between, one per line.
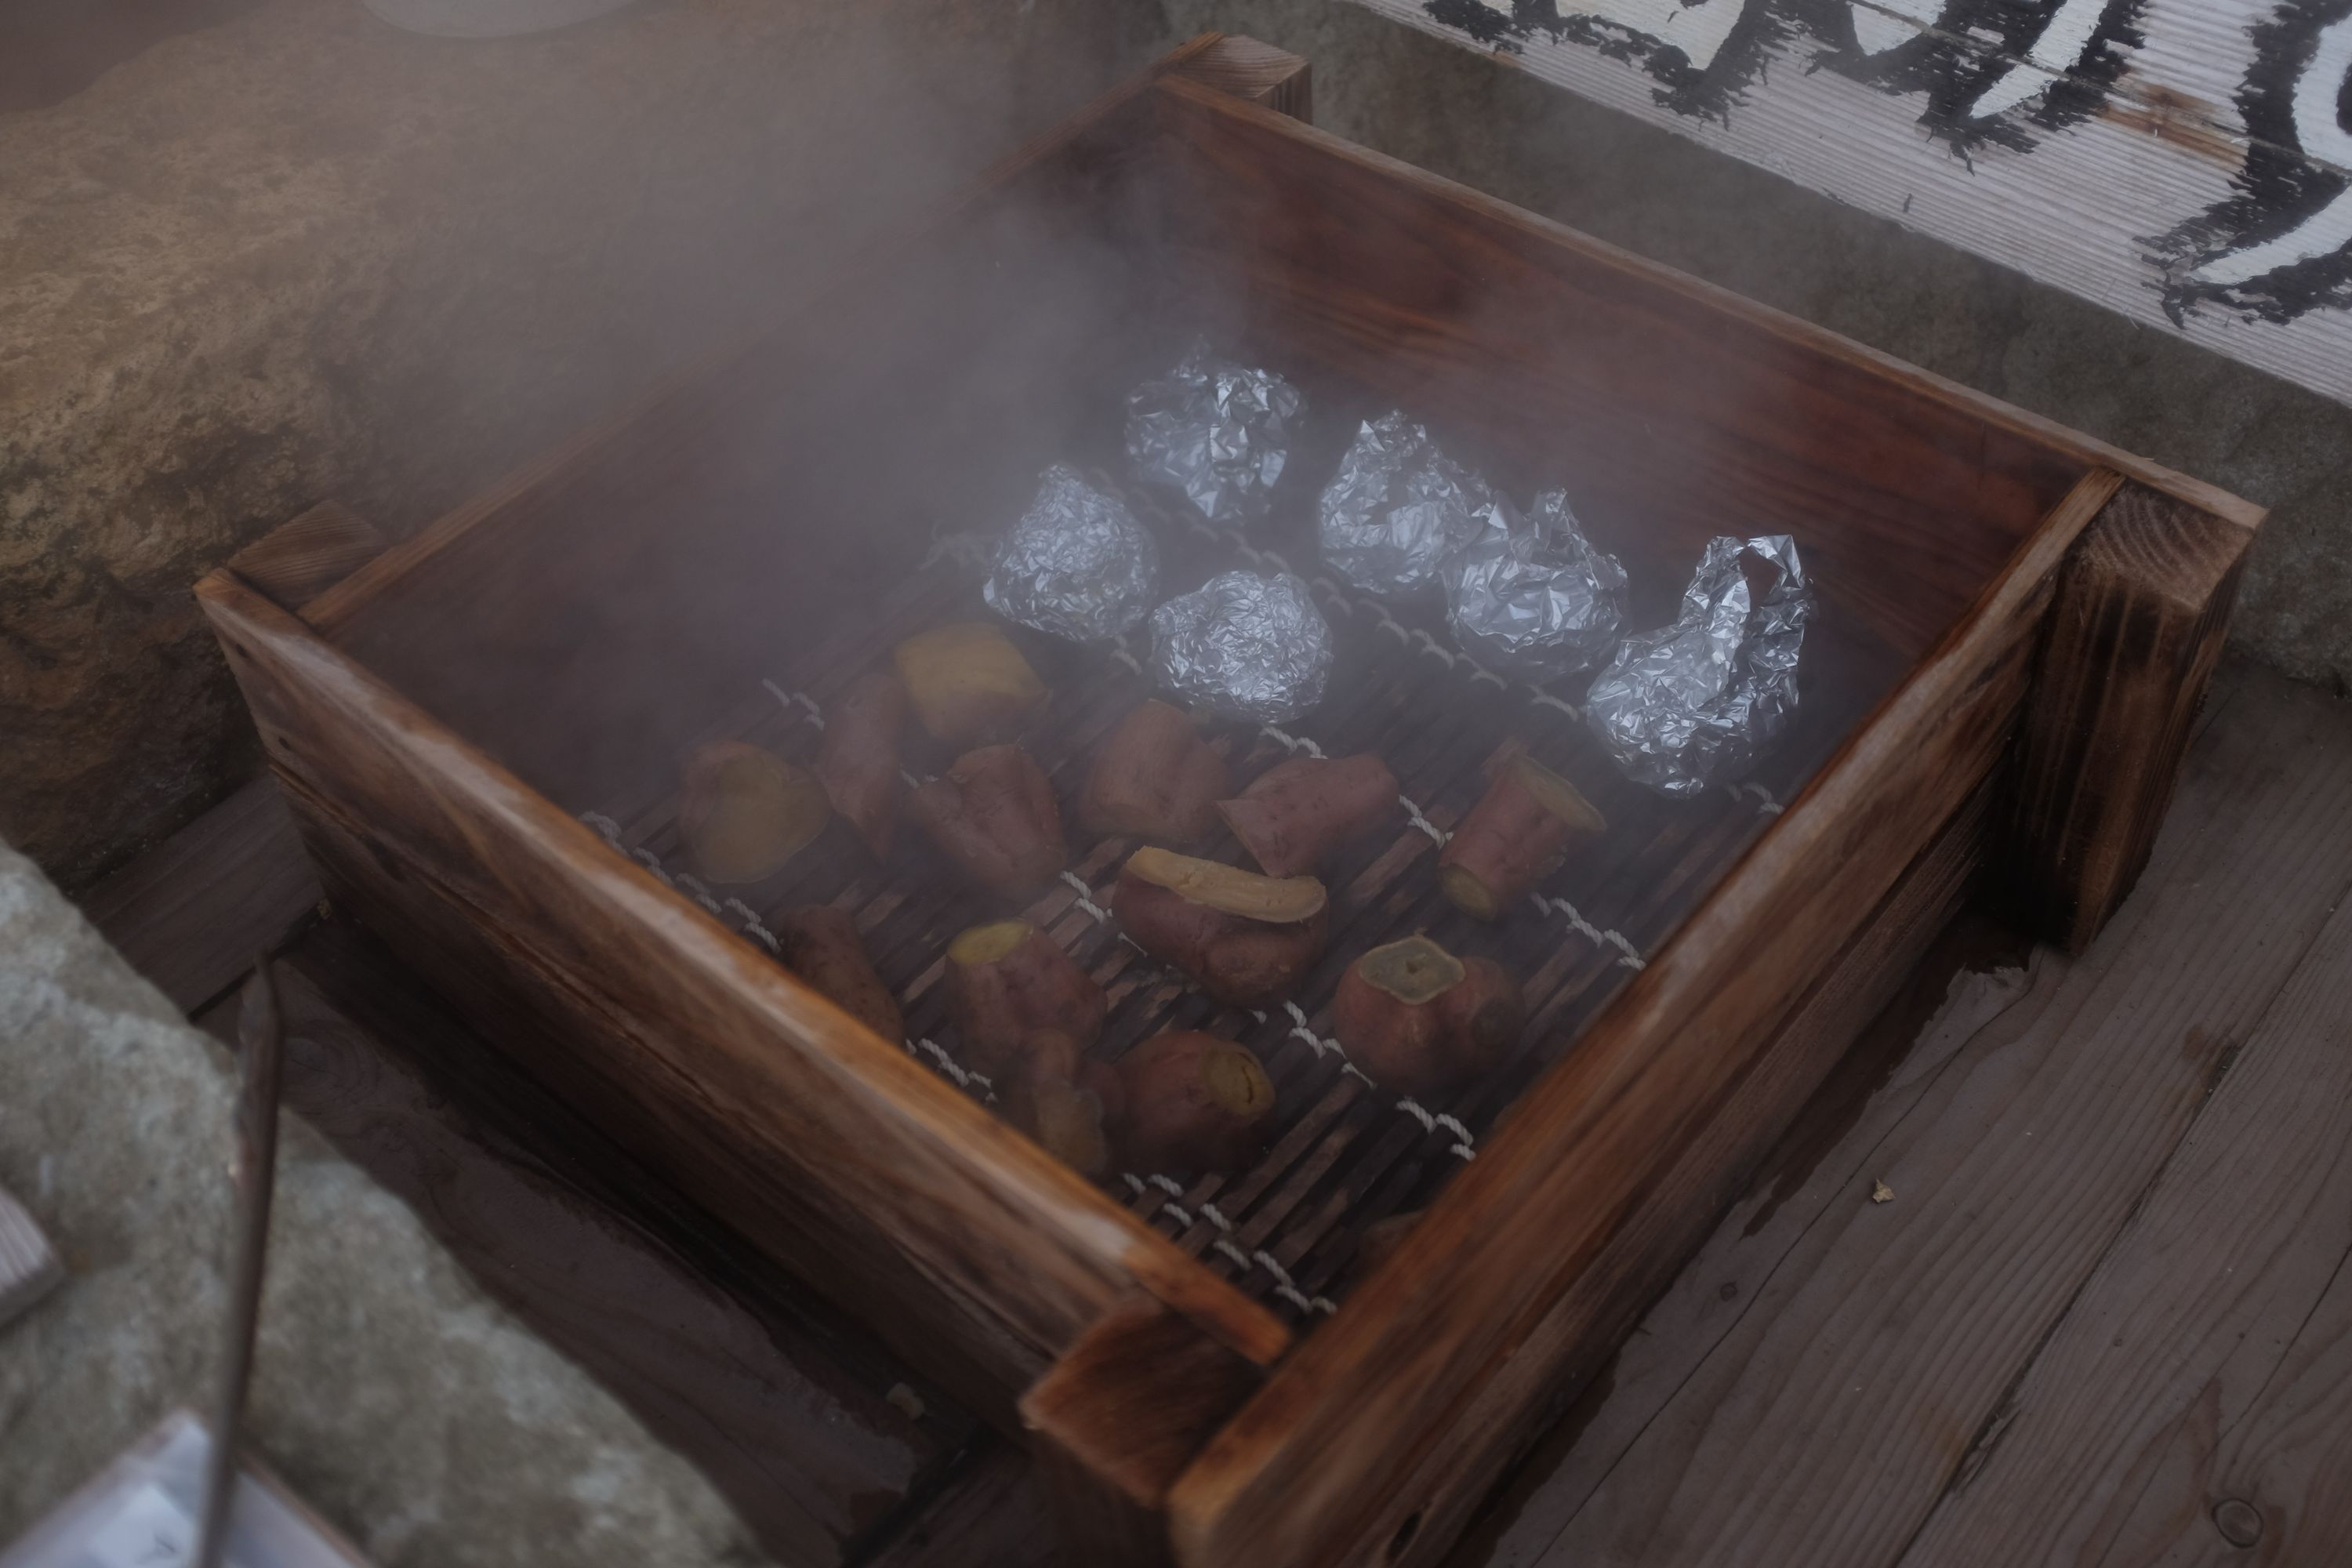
x=300, y=254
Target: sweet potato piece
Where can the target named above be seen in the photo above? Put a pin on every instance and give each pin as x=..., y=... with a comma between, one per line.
x=1246, y=939
x=1192, y=1102
x=1006, y=981
x=859, y=759
x=1514, y=837
x=1417, y=1019
x=743, y=811
x=1298, y=813
x=994, y=814
x=1154, y=777
x=1059, y=1100
x=968, y=683
x=820, y=945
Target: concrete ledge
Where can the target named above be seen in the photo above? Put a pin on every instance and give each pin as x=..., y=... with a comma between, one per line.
x=395, y=1398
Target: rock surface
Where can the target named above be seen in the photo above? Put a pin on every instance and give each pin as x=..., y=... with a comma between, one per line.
x=300, y=254
x=397, y=1400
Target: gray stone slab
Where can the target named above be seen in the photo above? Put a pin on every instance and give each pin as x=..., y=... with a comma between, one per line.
x=398, y=1401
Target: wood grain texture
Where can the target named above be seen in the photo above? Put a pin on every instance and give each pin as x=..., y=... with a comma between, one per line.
x=719, y=1353
x=1971, y=976
x=299, y=560
x=992, y=1513
x=2072, y=208
x=2142, y=610
x=1582, y=1332
x=1356, y=1405
x=1116, y=1419
x=28, y=1264
x=2205, y=1361
x=1261, y=74
x=190, y=914
x=975, y=1256
x=1871, y=1369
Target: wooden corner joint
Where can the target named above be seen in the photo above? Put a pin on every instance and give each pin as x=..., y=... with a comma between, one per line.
x=1259, y=72
x=296, y=561
x=2139, y=614
x=1120, y=1417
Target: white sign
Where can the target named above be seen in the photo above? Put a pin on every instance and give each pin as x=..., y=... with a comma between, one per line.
x=2185, y=161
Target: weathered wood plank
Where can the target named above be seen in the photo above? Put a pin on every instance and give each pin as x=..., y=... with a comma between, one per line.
x=1116, y=1420
x=1582, y=1332
x=191, y=914
x=1822, y=1428
x=2130, y=1431
x=2178, y=162
x=1971, y=976
x=1261, y=73
x=991, y=1514
x=299, y=560
x=2143, y=608
x=790, y=1415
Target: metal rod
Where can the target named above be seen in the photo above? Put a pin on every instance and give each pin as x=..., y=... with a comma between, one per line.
x=261, y=1038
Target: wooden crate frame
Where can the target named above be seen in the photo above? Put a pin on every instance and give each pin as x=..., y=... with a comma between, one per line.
x=2035, y=742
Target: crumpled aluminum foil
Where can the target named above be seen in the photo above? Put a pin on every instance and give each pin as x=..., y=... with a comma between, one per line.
x=1217, y=431
x=1397, y=508
x=1078, y=563
x=1697, y=703
x=1530, y=595
x=1245, y=645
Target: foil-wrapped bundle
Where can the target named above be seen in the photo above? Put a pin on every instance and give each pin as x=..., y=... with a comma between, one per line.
x=1245, y=645
x=1078, y=563
x=1531, y=595
x=1397, y=508
x=1697, y=703
x=1217, y=431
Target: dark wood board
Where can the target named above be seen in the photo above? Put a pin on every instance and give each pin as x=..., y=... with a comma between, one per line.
x=811, y=1432
x=191, y=914
x=2195, y=1401
x=2142, y=611
x=1870, y=1349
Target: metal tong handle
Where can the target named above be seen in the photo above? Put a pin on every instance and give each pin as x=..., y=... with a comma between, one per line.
x=261, y=1037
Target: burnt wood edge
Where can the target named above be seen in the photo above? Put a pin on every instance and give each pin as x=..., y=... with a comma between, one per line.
x=301, y=559
x=2127, y=651
x=1116, y=1420
x=333, y=611
x=1259, y=72
x=1183, y=100
x=1140, y=1255
x=1341, y=1422
x=1537, y=1383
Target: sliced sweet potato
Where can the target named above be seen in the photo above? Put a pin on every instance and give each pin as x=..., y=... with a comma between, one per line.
x=1193, y=1102
x=1246, y=939
x=969, y=683
x=1417, y=1019
x=1154, y=777
x=744, y=811
x=859, y=760
x=1516, y=836
x=993, y=814
x=1297, y=813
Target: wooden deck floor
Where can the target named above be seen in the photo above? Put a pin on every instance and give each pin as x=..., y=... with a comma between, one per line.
x=2103, y=1320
